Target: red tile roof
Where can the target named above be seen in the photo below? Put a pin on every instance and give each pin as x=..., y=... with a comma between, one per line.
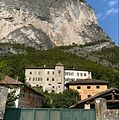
x=10, y=81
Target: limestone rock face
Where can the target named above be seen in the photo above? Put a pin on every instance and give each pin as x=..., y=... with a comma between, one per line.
x=47, y=23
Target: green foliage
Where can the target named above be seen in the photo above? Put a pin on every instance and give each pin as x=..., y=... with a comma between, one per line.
x=16, y=64
x=62, y=100
x=11, y=97
x=3, y=70
x=38, y=88
x=112, y=54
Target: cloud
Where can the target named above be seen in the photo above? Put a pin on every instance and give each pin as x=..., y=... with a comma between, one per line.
x=100, y=16
x=112, y=11
x=112, y=3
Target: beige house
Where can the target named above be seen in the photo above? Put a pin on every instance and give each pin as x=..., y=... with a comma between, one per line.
x=54, y=79
x=88, y=87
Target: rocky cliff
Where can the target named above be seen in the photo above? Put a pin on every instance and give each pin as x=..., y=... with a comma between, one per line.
x=46, y=23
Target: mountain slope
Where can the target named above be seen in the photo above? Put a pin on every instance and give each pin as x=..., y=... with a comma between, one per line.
x=48, y=23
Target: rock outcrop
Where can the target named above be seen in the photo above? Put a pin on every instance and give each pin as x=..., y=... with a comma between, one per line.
x=46, y=23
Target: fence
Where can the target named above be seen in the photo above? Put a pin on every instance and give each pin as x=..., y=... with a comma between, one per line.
x=49, y=114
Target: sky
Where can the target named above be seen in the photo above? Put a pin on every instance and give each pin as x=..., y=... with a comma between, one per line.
x=107, y=12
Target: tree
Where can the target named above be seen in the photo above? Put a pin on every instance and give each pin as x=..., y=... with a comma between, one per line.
x=38, y=88
x=3, y=70
x=11, y=97
x=70, y=97
x=62, y=100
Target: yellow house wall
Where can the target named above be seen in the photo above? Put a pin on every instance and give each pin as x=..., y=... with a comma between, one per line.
x=84, y=92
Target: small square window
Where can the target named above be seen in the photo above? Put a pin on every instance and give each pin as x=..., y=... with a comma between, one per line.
x=97, y=87
x=88, y=87
x=52, y=79
x=81, y=74
x=52, y=86
x=23, y=95
x=77, y=74
x=53, y=91
x=89, y=96
x=84, y=74
x=47, y=79
x=78, y=87
x=30, y=73
x=59, y=72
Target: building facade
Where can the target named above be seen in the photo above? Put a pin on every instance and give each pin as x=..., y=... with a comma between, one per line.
x=28, y=97
x=87, y=87
x=53, y=79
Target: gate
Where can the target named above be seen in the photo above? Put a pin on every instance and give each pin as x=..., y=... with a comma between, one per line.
x=49, y=114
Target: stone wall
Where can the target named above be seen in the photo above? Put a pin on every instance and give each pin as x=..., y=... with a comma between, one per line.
x=102, y=113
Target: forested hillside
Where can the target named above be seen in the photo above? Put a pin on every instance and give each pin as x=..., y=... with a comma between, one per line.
x=23, y=57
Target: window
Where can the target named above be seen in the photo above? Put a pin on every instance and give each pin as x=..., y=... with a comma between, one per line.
x=33, y=79
x=23, y=95
x=30, y=73
x=88, y=87
x=81, y=74
x=72, y=73
x=47, y=79
x=59, y=72
x=84, y=74
x=52, y=79
x=53, y=91
x=97, y=87
x=77, y=74
x=88, y=72
x=78, y=87
x=49, y=84
x=88, y=96
x=52, y=86
x=53, y=72
x=48, y=72
x=59, y=86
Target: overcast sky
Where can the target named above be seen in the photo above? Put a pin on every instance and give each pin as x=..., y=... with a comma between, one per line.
x=107, y=12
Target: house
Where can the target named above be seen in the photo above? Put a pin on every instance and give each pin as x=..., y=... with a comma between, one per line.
x=111, y=95
x=28, y=97
x=87, y=87
x=54, y=79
